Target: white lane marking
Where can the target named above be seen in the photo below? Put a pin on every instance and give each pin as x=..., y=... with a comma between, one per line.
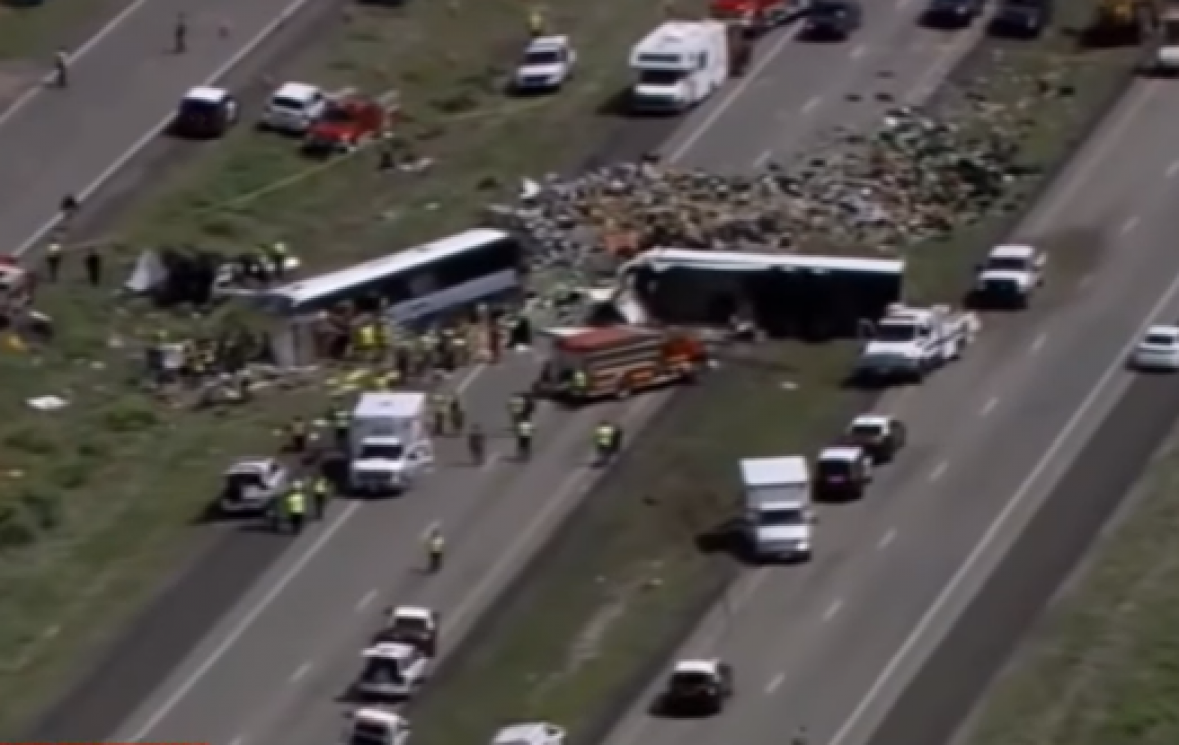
x=938, y=471
x=832, y=610
x=301, y=672
x=366, y=601
x=727, y=102
x=763, y=159
x=74, y=57
x=1085, y=281
x=887, y=539
x=775, y=683
x=1129, y=225
x=88, y=191
x=1038, y=344
x=998, y=526
x=936, y=72
x=1173, y=170
x=811, y=104
x=988, y=407
x=859, y=51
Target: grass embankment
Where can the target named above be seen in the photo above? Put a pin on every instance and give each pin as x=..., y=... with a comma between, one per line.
x=1103, y=667
x=107, y=487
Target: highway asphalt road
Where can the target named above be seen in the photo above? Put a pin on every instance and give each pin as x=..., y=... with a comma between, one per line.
x=830, y=646
x=273, y=664
x=124, y=84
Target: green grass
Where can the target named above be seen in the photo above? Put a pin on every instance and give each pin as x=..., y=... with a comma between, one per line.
x=1103, y=667
x=125, y=473
x=33, y=33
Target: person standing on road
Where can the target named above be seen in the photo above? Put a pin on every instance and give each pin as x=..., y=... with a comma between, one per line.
x=53, y=260
x=477, y=444
x=524, y=432
x=296, y=507
x=61, y=65
x=180, y=34
x=435, y=549
x=320, y=493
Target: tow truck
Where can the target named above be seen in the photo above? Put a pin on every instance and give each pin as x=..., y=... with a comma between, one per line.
x=1009, y=277
x=879, y=435
x=393, y=671
x=373, y=726
x=909, y=343
x=412, y=625
x=697, y=687
x=616, y=362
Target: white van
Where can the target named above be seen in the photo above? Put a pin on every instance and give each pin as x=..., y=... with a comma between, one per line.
x=679, y=65
x=779, y=517
x=389, y=442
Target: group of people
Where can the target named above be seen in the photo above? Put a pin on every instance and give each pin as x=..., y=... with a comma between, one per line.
x=289, y=512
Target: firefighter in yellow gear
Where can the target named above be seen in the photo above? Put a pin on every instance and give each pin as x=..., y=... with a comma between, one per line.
x=605, y=439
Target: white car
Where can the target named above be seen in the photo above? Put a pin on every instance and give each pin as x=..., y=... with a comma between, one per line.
x=1158, y=349
x=1010, y=276
x=548, y=63
x=293, y=108
x=530, y=733
x=376, y=727
x=392, y=671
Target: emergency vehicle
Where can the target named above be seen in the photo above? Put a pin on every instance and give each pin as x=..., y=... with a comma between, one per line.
x=756, y=16
x=393, y=671
x=373, y=726
x=413, y=625
x=617, y=362
x=679, y=65
x=909, y=343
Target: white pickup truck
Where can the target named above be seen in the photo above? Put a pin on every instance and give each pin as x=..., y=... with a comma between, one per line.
x=909, y=343
x=1009, y=277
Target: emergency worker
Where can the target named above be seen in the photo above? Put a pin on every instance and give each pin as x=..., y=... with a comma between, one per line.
x=53, y=260
x=61, y=67
x=604, y=441
x=180, y=34
x=525, y=430
x=320, y=493
x=477, y=444
x=435, y=550
x=296, y=507
x=440, y=406
x=299, y=435
x=455, y=414
x=579, y=384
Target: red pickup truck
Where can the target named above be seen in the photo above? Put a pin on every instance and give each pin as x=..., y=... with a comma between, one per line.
x=346, y=124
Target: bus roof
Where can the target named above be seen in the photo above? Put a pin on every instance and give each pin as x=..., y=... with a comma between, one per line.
x=324, y=285
x=745, y=261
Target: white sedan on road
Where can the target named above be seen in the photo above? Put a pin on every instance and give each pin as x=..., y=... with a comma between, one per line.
x=1158, y=349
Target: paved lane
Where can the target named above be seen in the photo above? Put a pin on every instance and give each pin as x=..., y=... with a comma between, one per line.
x=830, y=646
x=58, y=142
x=274, y=665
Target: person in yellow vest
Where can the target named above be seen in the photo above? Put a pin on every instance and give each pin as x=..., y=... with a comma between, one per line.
x=604, y=441
x=296, y=507
x=536, y=21
x=580, y=384
x=320, y=493
x=278, y=256
x=367, y=340
x=435, y=549
x=524, y=432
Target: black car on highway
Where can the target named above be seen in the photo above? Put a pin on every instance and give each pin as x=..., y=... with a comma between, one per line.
x=1023, y=19
x=950, y=14
x=833, y=20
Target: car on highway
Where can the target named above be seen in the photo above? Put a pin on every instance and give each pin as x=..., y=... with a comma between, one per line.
x=842, y=473
x=205, y=112
x=696, y=688
x=345, y=124
x=370, y=726
x=1157, y=350
x=530, y=733
x=1010, y=276
x=393, y=671
x=548, y=63
x=412, y=625
x=293, y=108
x=950, y=14
x=1024, y=19
x=879, y=435
x=832, y=20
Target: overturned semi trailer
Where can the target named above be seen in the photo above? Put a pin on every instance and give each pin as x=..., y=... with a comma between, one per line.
x=785, y=295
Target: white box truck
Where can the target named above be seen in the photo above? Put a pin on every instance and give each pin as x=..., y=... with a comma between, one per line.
x=779, y=518
x=679, y=65
x=389, y=442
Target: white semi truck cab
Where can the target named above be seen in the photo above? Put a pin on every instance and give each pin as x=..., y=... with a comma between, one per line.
x=389, y=443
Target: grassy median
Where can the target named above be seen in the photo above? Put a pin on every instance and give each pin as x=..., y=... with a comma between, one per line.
x=1103, y=667
x=100, y=495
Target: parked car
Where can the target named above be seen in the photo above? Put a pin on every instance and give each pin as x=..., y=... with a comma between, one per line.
x=205, y=112
x=293, y=108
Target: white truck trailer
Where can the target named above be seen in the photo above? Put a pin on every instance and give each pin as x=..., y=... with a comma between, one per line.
x=779, y=518
x=389, y=442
